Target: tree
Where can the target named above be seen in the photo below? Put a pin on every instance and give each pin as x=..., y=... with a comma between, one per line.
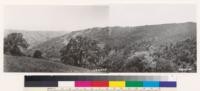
x=14, y=43
x=37, y=54
x=81, y=51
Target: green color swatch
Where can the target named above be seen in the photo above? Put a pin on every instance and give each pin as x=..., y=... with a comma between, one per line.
x=134, y=84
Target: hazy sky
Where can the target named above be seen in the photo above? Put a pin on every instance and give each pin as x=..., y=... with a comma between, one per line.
x=147, y=14
x=71, y=18
x=68, y=18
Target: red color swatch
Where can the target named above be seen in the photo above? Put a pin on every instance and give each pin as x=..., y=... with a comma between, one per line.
x=99, y=83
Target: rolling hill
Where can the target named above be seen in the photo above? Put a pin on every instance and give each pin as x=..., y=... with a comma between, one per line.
x=119, y=37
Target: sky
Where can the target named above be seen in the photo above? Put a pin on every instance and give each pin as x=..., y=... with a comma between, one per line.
x=149, y=14
x=73, y=18
x=67, y=18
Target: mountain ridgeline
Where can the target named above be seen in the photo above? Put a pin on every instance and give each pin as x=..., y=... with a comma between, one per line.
x=124, y=36
x=151, y=48
x=36, y=37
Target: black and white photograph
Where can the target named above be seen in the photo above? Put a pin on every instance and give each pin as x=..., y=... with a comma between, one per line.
x=119, y=38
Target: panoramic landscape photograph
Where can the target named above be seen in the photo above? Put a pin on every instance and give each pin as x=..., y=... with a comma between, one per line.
x=100, y=38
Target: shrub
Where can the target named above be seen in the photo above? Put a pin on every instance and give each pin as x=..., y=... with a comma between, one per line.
x=37, y=54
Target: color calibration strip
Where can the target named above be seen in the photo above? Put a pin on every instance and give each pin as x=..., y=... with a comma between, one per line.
x=117, y=84
x=101, y=81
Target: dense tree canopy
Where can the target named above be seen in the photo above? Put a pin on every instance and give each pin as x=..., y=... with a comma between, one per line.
x=14, y=43
x=170, y=57
x=81, y=51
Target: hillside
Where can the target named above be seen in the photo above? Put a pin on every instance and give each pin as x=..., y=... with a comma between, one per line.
x=118, y=37
x=150, y=48
x=27, y=64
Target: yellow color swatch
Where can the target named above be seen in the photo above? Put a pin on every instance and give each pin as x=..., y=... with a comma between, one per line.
x=116, y=83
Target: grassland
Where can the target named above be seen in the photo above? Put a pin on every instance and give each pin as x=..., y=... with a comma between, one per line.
x=28, y=64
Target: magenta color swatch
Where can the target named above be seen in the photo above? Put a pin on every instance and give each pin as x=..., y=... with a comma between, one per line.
x=82, y=83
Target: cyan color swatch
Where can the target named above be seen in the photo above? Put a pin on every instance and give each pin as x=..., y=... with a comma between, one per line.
x=151, y=83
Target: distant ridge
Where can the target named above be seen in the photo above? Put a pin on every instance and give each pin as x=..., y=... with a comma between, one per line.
x=117, y=36
x=36, y=37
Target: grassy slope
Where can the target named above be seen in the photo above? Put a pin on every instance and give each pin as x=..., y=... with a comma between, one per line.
x=120, y=36
x=27, y=64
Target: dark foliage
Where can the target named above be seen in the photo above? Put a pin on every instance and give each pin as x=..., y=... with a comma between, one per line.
x=14, y=43
x=37, y=54
x=172, y=57
x=81, y=51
